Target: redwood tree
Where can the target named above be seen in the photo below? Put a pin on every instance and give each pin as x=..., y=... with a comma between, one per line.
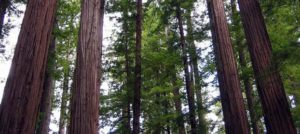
x=276, y=109
x=24, y=86
x=86, y=91
x=246, y=77
x=138, y=70
x=231, y=97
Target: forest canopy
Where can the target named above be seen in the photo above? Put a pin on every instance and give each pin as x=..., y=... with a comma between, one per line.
x=149, y=66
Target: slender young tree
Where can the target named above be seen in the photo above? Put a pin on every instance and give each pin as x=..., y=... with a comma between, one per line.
x=235, y=117
x=24, y=86
x=276, y=108
x=64, y=99
x=138, y=70
x=85, y=95
x=126, y=109
x=188, y=82
x=202, y=129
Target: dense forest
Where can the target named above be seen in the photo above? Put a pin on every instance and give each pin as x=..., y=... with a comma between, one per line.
x=150, y=66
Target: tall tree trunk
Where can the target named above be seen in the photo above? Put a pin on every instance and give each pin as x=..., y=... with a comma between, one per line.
x=85, y=96
x=63, y=105
x=126, y=108
x=48, y=88
x=3, y=7
x=189, y=90
x=242, y=60
x=202, y=129
x=276, y=109
x=24, y=86
x=138, y=70
x=235, y=117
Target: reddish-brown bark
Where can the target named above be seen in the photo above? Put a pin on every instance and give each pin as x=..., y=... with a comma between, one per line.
x=243, y=63
x=86, y=91
x=24, y=86
x=138, y=70
x=231, y=97
x=276, y=109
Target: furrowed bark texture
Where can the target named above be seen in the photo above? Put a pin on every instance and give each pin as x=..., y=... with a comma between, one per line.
x=138, y=70
x=85, y=95
x=276, y=109
x=24, y=86
x=48, y=88
x=188, y=83
x=243, y=63
x=231, y=97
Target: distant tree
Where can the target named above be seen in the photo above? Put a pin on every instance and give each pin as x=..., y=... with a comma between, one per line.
x=138, y=70
x=188, y=82
x=24, y=86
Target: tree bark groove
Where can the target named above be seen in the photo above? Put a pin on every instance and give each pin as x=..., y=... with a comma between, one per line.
x=24, y=86
x=276, y=108
x=231, y=97
x=86, y=91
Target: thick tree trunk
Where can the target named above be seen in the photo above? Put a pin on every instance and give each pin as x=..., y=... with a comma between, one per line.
x=85, y=96
x=63, y=105
x=202, y=129
x=276, y=109
x=24, y=86
x=48, y=88
x=138, y=70
x=235, y=117
x=189, y=90
x=3, y=7
x=243, y=64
